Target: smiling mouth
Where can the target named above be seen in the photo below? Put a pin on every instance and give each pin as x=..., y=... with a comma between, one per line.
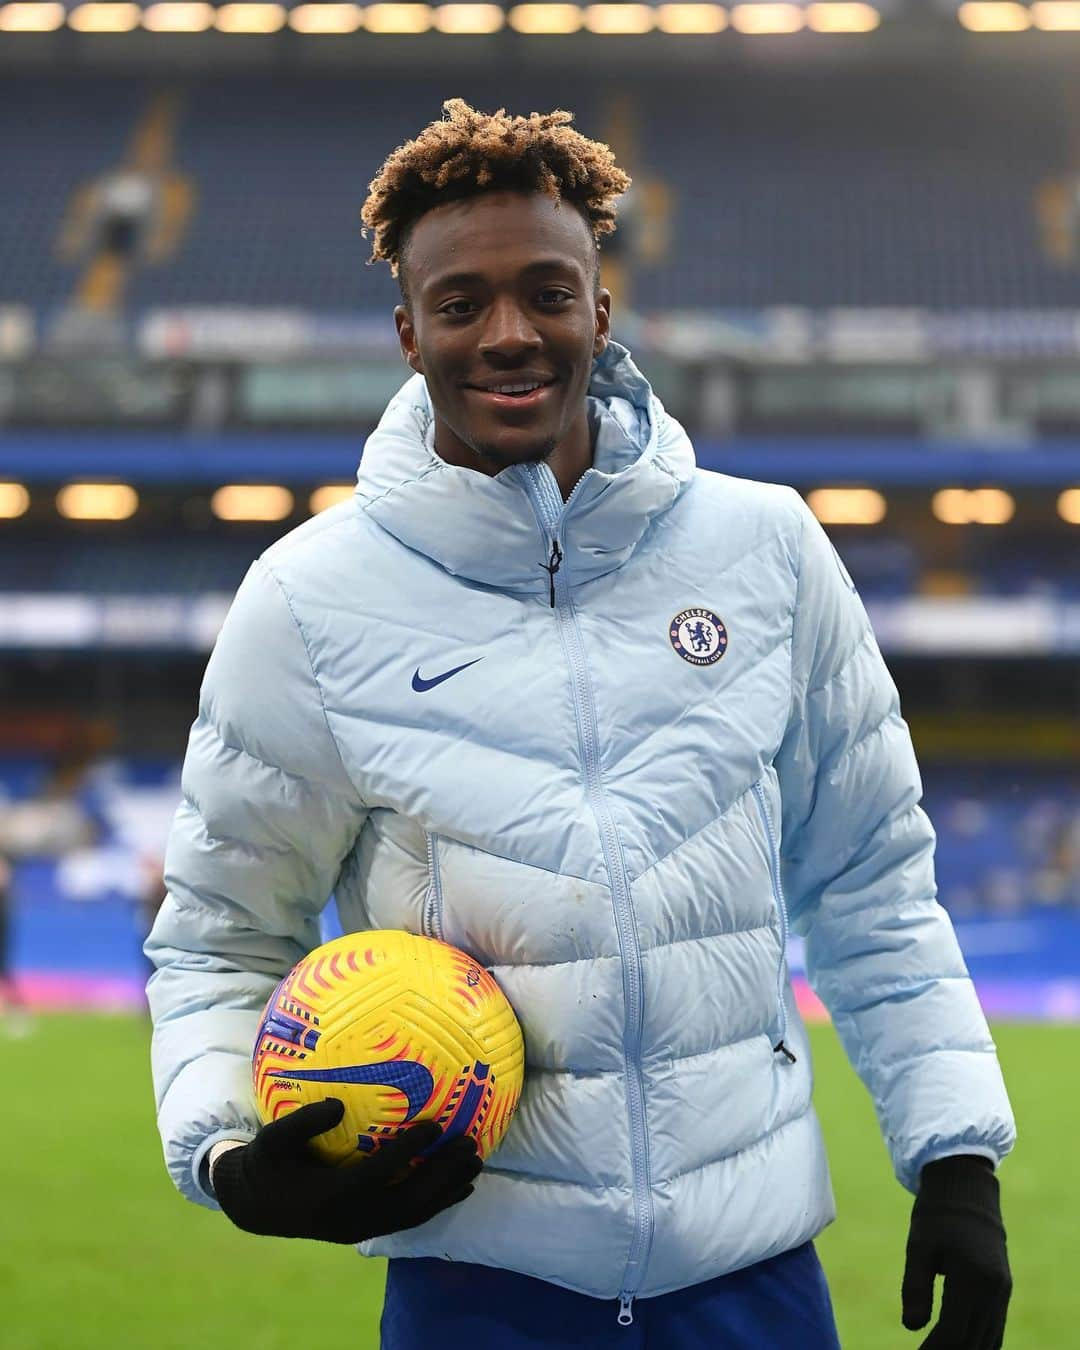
x=522, y=400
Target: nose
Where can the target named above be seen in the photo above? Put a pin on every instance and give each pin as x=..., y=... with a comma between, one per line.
x=508, y=331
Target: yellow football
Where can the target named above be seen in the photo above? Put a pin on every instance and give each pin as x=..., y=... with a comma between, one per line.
x=401, y=1028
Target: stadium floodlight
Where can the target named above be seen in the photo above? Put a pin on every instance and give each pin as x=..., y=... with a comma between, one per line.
x=329, y=18
x=469, y=18
x=842, y=17
x=109, y=17
x=1056, y=16
x=32, y=18
x=691, y=18
x=992, y=506
x=973, y=506
x=847, y=505
x=616, y=19
x=546, y=19
x=250, y=18
x=456, y=18
x=758, y=19
x=97, y=501
x=252, y=501
x=994, y=16
x=394, y=18
x=172, y=16
x=14, y=501
x=330, y=494
x=1068, y=505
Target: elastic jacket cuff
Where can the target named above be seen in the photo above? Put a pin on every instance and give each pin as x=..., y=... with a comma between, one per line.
x=963, y=1182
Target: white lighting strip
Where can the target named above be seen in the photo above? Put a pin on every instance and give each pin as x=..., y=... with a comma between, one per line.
x=81, y=621
x=547, y=18
x=987, y=626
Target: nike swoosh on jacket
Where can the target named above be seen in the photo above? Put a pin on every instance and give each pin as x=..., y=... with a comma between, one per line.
x=422, y=686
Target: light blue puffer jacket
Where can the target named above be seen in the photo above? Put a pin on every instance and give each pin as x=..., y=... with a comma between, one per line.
x=620, y=833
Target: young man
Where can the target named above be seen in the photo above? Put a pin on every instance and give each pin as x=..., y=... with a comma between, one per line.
x=608, y=722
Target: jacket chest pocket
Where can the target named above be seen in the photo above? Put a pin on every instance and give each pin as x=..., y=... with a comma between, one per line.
x=432, y=925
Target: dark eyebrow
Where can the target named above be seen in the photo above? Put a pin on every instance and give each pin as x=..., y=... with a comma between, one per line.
x=472, y=278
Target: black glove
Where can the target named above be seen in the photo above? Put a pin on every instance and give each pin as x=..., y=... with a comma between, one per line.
x=956, y=1231
x=277, y=1187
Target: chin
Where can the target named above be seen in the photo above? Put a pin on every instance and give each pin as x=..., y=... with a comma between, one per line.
x=504, y=456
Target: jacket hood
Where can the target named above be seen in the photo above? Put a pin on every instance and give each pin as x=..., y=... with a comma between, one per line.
x=485, y=528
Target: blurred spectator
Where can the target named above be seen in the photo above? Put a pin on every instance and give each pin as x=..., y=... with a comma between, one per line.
x=1003, y=850
x=126, y=199
x=1057, y=880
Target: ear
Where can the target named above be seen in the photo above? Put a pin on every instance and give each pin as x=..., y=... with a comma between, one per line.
x=603, y=322
x=407, y=339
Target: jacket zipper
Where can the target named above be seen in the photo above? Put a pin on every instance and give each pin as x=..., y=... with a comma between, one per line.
x=549, y=508
x=780, y=1047
x=552, y=566
x=432, y=920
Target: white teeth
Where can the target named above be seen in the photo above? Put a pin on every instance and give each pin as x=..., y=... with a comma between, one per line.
x=513, y=388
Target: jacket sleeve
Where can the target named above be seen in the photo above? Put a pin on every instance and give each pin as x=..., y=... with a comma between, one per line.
x=858, y=870
x=268, y=815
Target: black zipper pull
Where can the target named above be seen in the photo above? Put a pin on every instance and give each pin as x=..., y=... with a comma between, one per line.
x=552, y=567
x=781, y=1049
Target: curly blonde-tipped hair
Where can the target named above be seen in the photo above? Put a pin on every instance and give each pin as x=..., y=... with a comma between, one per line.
x=469, y=152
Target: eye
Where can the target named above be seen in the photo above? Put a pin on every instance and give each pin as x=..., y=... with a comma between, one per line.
x=557, y=292
x=452, y=309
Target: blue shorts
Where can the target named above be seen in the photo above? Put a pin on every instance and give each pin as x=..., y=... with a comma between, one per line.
x=779, y=1304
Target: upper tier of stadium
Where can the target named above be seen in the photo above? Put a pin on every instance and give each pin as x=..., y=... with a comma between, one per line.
x=858, y=191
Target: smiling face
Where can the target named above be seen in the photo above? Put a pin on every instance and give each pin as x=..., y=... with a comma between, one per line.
x=502, y=294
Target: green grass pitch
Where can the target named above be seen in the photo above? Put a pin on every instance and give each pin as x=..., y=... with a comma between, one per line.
x=97, y=1250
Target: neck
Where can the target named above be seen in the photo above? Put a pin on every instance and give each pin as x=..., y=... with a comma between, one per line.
x=571, y=457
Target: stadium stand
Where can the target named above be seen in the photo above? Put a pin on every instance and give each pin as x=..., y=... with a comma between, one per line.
x=1028, y=565
x=956, y=195
x=53, y=147
x=885, y=565
x=123, y=566
x=874, y=196
x=1008, y=867
x=1008, y=834
x=1008, y=838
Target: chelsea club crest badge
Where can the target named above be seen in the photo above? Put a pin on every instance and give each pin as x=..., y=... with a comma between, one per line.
x=698, y=636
